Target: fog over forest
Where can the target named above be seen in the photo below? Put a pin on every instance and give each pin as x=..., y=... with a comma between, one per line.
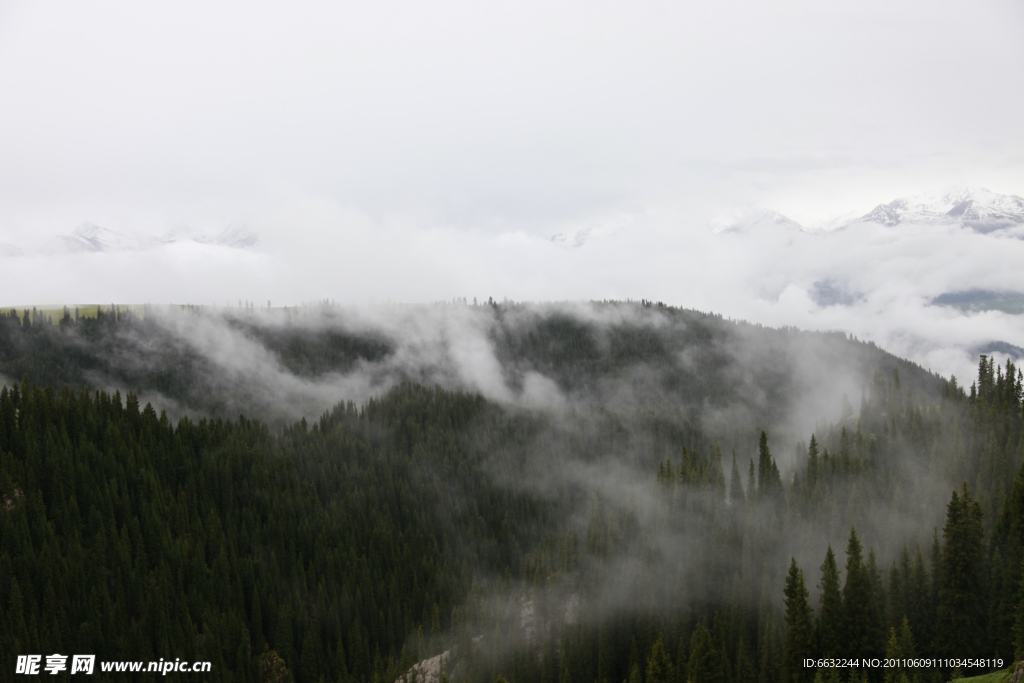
x=879, y=283
x=613, y=465
x=561, y=342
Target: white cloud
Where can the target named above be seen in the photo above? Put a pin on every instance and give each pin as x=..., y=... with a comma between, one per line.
x=396, y=150
x=888, y=276
x=485, y=115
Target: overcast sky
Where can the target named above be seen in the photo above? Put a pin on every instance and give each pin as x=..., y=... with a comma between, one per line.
x=420, y=151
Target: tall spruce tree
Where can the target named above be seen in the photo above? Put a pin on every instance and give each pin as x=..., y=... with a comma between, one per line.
x=856, y=633
x=659, y=666
x=962, y=605
x=829, y=625
x=705, y=658
x=799, y=641
x=877, y=606
x=769, y=482
x=920, y=608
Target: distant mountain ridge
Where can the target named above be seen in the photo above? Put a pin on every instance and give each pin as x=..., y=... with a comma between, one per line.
x=90, y=237
x=759, y=221
x=93, y=238
x=980, y=209
x=975, y=208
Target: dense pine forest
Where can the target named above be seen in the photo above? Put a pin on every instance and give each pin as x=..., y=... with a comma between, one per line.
x=613, y=492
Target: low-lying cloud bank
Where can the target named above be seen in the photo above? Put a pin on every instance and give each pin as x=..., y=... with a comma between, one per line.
x=589, y=365
x=879, y=283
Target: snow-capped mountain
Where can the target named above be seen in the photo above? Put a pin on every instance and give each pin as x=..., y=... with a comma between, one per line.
x=756, y=221
x=976, y=208
x=92, y=238
x=980, y=209
x=89, y=237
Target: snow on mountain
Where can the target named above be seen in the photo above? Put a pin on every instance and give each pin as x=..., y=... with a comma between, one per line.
x=89, y=237
x=976, y=208
x=92, y=238
x=757, y=221
x=980, y=209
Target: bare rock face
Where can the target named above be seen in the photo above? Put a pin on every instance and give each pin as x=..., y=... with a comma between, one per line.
x=427, y=671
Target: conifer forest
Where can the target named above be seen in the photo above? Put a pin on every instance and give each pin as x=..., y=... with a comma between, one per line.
x=587, y=493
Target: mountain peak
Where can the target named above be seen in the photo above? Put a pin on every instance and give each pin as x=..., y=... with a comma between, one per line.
x=976, y=208
x=757, y=221
x=91, y=237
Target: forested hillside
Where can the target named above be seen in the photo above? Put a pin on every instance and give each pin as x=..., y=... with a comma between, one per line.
x=729, y=377
x=623, y=493
x=123, y=534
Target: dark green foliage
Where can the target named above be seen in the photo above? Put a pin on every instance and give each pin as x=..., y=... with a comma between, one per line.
x=156, y=352
x=799, y=640
x=348, y=548
x=962, y=596
x=900, y=647
x=921, y=609
x=659, y=666
x=830, y=615
x=127, y=536
x=857, y=632
x=769, y=482
x=705, y=659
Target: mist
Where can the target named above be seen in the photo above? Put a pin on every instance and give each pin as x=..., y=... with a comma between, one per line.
x=715, y=384
x=560, y=209
x=662, y=454
x=879, y=283
x=393, y=152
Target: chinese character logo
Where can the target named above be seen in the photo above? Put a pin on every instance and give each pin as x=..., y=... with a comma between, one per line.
x=82, y=664
x=28, y=664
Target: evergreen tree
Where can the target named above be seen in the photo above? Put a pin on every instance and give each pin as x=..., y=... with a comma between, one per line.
x=962, y=605
x=811, y=491
x=705, y=659
x=744, y=664
x=919, y=605
x=330, y=542
x=659, y=666
x=769, y=482
x=830, y=616
x=856, y=633
x=894, y=652
x=876, y=606
x=798, y=643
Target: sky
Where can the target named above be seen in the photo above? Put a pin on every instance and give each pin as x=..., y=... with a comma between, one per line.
x=406, y=151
